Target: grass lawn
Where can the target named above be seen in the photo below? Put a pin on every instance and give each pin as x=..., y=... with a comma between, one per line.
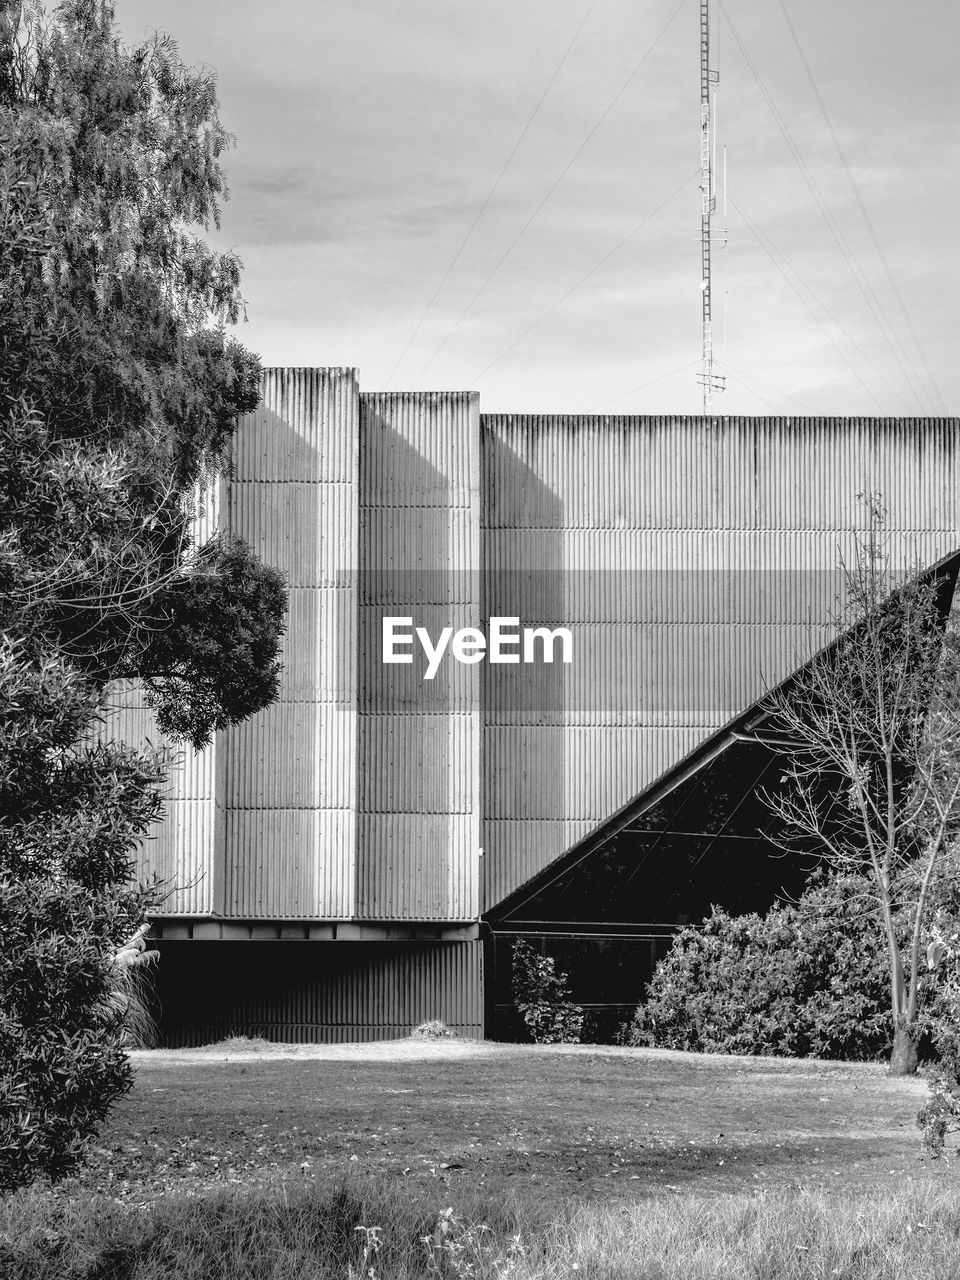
x=464, y=1161
x=570, y=1121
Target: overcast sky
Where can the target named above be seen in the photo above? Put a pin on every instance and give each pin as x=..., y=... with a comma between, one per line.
x=371, y=133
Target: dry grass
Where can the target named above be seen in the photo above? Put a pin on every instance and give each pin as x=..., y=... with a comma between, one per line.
x=315, y=1233
x=912, y=1234
x=254, y=1046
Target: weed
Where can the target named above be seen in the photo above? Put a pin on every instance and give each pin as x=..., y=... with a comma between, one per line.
x=432, y=1030
x=372, y=1244
x=461, y=1250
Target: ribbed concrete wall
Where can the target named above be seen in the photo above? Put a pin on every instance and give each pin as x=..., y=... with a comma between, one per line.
x=693, y=565
x=179, y=850
x=321, y=814
x=744, y=473
x=419, y=741
x=287, y=778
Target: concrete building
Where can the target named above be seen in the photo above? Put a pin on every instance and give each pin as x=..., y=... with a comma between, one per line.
x=355, y=859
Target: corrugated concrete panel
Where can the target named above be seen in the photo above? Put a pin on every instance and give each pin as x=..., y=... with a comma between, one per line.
x=693, y=565
x=651, y=674
x=178, y=851
x=288, y=776
x=292, y=436
x=272, y=762
x=576, y=772
x=419, y=793
x=607, y=551
x=420, y=449
x=400, y=541
x=295, y=526
x=287, y=863
x=810, y=470
x=563, y=783
x=180, y=855
x=675, y=473
x=321, y=633
x=418, y=866
x=323, y=992
x=418, y=764
x=388, y=689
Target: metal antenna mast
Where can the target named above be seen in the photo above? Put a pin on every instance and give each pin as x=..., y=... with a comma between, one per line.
x=709, y=378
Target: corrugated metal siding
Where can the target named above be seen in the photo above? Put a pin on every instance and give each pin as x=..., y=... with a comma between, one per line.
x=288, y=775
x=693, y=565
x=418, y=800
x=327, y=992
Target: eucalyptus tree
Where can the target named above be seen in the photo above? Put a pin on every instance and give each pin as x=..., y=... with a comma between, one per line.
x=120, y=389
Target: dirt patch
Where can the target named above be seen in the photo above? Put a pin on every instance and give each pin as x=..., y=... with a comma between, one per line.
x=240, y=1049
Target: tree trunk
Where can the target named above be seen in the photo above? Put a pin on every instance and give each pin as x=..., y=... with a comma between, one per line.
x=903, y=1057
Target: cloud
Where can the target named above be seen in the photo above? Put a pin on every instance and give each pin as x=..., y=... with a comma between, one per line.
x=370, y=134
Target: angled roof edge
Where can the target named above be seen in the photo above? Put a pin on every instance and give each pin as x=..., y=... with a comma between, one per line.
x=946, y=569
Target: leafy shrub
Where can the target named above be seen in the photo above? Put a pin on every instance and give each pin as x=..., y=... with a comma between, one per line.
x=62, y=1054
x=542, y=997
x=806, y=979
x=70, y=818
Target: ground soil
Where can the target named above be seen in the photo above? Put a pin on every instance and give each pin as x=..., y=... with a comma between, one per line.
x=578, y=1121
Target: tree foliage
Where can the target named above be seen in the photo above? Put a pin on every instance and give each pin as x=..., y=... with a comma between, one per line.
x=120, y=389
x=198, y=676
x=120, y=383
